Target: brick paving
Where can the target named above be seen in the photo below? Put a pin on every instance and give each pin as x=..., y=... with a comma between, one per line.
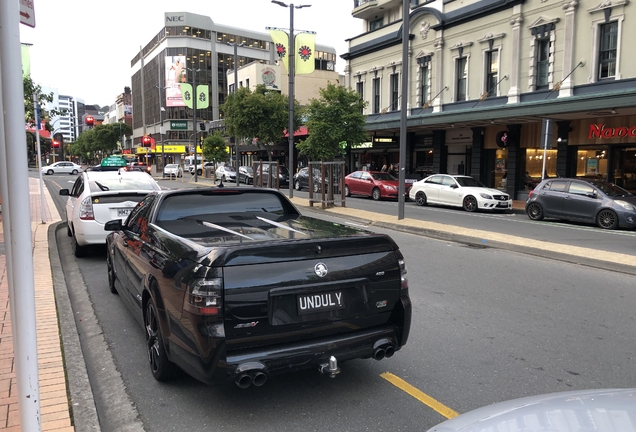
x=55, y=410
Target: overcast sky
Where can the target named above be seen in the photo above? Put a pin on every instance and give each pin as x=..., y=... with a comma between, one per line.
x=84, y=48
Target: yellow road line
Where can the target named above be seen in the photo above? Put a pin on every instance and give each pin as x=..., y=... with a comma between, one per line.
x=420, y=395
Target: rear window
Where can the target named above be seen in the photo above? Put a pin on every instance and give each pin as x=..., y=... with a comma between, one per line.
x=556, y=185
x=217, y=205
x=123, y=183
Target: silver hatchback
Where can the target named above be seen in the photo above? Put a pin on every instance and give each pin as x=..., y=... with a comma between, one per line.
x=583, y=200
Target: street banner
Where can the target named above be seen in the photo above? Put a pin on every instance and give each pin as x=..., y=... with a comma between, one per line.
x=176, y=74
x=203, y=96
x=305, y=47
x=26, y=60
x=281, y=41
x=186, y=94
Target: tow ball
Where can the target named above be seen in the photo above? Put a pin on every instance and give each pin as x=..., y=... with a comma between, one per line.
x=330, y=368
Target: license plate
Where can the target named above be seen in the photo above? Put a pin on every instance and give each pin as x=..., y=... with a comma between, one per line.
x=502, y=204
x=123, y=212
x=313, y=303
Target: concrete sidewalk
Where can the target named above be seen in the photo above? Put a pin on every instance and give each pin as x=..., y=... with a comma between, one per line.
x=55, y=409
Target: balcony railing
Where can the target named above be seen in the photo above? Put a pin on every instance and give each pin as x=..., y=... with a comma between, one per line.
x=357, y=3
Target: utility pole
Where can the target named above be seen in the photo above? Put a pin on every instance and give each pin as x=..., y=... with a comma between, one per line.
x=235, y=88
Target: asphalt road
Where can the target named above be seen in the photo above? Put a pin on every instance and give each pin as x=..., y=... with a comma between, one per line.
x=488, y=325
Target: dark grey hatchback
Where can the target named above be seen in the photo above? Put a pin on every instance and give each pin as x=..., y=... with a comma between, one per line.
x=582, y=200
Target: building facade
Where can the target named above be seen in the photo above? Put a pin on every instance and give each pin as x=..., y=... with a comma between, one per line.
x=190, y=48
x=507, y=89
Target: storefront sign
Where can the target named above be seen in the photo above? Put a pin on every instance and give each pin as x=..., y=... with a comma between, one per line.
x=600, y=131
x=178, y=124
x=172, y=149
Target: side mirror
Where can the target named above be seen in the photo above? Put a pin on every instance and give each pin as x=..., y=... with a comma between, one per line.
x=114, y=225
x=64, y=192
x=591, y=195
x=453, y=186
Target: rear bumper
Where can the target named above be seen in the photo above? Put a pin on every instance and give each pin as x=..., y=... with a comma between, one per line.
x=89, y=232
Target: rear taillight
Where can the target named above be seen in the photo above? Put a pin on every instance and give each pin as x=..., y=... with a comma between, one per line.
x=404, y=282
x=86, y=209
x=204, y=296
x=148, y=168
x=530, y=194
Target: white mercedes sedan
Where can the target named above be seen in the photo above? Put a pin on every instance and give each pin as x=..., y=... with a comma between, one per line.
x=458, y=191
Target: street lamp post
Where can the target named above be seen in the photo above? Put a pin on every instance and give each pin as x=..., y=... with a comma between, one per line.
x=292, y=70
x=235, y=87
x=194, y=117
x=161, y=110
x=404, y=105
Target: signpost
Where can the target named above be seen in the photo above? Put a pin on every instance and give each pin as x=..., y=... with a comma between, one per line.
x=27, y=13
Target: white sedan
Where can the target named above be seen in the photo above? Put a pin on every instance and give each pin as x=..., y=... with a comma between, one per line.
x=63, y=167
x=458, y=191
x=101, y=196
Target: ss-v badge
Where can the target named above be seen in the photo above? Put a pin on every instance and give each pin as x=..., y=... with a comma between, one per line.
x=245, y=325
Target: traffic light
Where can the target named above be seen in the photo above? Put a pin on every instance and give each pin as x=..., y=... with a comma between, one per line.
x=90, y=121
x=55, y=144
x=146, y=141
x=202, y=126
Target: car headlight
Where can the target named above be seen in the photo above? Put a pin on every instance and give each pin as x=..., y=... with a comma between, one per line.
x=625, y=205
x=388, y=187
x=485, y=196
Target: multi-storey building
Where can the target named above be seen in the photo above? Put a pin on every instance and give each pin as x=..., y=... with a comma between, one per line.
x=190, y=48
x=483, y=77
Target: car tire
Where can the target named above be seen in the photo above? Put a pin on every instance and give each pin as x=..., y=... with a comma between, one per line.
x=111, y=274
x=223, y=178
x=347, y=191
x=78, y=250
x=297, y=185
x=316, y=187
x=74, y=172
x=49, y=172
x=607, y=219
x=199, y=172
x=470, y=203
x=376, y=194
x=535, y=211
x=162, y=369
x=420, y=199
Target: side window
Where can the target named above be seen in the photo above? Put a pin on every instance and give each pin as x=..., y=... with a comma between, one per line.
x=356, y=175
x=580, y=188
x=78, y=187
x=138, y=219
x=556, y=185
x=447, y=181
x=434, y=180
x=365, y=176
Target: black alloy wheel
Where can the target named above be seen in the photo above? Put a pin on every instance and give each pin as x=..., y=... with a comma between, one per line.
x=162, y=369
x=535, y=212
x=607, y=219
x=111, y=274
x=376, y=194
x=420, y=198
x=470, y=203
x=347, y=191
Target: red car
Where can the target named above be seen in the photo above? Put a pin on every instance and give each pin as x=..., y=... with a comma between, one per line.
x=375, y=184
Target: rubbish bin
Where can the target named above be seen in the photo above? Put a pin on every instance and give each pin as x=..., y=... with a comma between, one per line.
x=209, y=172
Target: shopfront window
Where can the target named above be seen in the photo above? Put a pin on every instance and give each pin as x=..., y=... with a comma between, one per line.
x=592, y=163
x=534, y=163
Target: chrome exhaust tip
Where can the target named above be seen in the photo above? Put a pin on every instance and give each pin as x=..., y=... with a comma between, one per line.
x=389, y=351
x=244, y=380
x=258, y=379
x=379, y=354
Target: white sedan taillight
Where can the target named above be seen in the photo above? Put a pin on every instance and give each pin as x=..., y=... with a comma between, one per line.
x=86, y=209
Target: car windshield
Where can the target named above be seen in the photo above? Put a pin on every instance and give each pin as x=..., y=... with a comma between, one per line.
x=382, y=176
x=123, y=183
x=171, y=166
x=610, y=189
x=468, y=182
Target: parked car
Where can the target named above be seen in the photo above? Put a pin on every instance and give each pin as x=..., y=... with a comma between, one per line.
x=301, y=179
x=246, y=175
x=63, y=167
x=602, y=410
x=282, y=172
x=375, y=184
x=225, y=173
x=200, y=169
x=458, y=191
x=583, y=200
x=100, y=196
x=172, y=170
x=236, y=283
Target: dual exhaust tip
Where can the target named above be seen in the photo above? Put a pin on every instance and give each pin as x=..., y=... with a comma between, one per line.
x=384, y=351
x=246, y=379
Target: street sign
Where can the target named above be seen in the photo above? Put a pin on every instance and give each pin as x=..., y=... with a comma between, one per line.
x=27, y=13
x=114, y=161
x=178, y=124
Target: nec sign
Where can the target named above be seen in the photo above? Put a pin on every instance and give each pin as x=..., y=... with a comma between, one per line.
x=175, y=18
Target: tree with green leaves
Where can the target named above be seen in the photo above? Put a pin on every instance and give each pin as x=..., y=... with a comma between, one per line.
x=262, y=114
x=215, y=148
x=334, y=121
x=30, y=88
x=101, y=139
